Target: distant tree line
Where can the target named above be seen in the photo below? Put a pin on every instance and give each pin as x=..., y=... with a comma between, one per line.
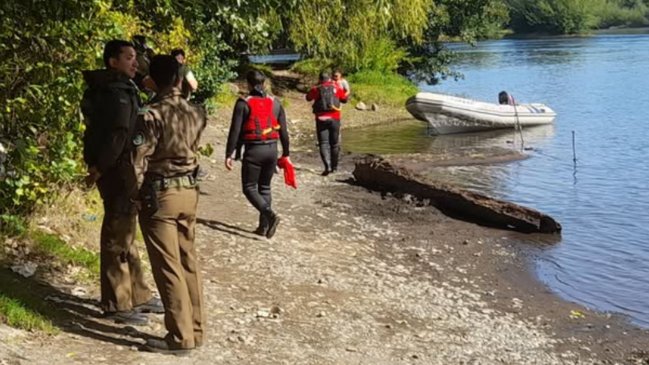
x=575, y=16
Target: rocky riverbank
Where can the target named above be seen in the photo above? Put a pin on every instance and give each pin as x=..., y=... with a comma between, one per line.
x=352, y=277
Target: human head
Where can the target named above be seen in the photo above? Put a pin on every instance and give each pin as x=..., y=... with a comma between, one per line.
x=255, y=80
x=139, y=39
x=337, y=74
x=503, y=98
x=324, y=76
x=120, y=55
x=165, y=71
x=179, y=54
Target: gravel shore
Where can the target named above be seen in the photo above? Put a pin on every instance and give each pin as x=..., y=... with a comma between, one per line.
x=351, y=277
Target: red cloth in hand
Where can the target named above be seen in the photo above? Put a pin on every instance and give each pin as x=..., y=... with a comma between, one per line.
x=289, y=171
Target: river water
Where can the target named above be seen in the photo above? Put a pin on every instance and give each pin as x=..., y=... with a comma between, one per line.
x=599, y=87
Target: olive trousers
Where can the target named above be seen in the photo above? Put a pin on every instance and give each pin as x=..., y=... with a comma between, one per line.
x=120, y=273
x=169, y=236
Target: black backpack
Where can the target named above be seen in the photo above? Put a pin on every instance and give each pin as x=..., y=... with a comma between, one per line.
x=328, y=101
x=92, y=109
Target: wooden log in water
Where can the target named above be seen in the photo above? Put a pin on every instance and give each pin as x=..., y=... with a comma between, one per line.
x=378, y=174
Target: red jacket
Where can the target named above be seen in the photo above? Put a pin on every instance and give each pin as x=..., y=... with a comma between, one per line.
x=314, y=94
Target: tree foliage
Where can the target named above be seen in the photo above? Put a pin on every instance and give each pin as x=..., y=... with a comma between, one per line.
x=387, y=35
x=45, y=44
x=358, y=34
x=465, y=20
x=575, y=16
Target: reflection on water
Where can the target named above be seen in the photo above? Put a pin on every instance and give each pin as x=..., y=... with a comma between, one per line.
x=603, y=204
x=411, y=136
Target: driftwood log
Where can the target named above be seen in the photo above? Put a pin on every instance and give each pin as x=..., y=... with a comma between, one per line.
x=378, y=174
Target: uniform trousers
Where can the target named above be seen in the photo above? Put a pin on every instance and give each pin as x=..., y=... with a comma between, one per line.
x=120, y=273
x=169, y=236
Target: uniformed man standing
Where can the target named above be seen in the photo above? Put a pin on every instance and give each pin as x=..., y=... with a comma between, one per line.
x=165, y=164
x=110, y=105
x=257, y=123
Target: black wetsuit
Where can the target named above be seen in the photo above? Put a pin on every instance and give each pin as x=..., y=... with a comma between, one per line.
x=260, y=157
x=329, y=142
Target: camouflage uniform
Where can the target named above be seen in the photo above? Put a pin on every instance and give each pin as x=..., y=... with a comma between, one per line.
x=165, y=162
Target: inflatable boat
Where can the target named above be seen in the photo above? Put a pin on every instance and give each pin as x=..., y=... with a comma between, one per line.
x=448, y=114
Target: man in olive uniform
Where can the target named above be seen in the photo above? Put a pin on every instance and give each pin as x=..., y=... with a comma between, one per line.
x=110, y=105
x=165, y=164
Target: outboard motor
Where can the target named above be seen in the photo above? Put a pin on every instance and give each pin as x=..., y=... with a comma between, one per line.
x=504, y=98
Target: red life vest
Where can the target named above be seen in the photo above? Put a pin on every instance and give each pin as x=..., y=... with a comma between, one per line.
x=262, y=124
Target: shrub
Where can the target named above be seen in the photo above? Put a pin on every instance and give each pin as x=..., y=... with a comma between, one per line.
x=380, y=87
x=45, y=44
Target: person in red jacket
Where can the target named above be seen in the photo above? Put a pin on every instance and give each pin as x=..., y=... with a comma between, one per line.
x=327, y=97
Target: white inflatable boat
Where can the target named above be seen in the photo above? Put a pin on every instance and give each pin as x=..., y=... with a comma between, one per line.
x=448, y=114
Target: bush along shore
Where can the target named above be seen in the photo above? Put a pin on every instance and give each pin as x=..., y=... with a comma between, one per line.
x=352, y=276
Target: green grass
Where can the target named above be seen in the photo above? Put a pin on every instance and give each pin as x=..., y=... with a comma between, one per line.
x=381, y=88
x=51, y=245
x=16, y=314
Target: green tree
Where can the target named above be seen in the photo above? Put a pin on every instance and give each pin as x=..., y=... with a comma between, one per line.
x=553, y=16
x=465, y=20
x=45, y=44
x=358, y=34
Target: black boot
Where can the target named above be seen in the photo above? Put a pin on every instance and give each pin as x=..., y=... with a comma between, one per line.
x=325, y=155
x=131, y=317
x=154, y=305
x=273, y=222
x=162, y=347
x=262, y=228
x=335, y=154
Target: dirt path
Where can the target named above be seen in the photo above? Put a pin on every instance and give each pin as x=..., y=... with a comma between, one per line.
x=350, y=278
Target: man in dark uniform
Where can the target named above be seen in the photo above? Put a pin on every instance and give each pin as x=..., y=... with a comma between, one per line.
x=165, y=163
x=327, y=96
x=110, y=105
x=257, y=123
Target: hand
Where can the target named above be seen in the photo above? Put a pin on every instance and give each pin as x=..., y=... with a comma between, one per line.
x=229, y=163
x=92, y=177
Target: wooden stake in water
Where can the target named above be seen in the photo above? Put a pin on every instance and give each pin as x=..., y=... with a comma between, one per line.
x=574, y=149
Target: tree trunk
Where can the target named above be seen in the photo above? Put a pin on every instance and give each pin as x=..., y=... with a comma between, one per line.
x=379, y=175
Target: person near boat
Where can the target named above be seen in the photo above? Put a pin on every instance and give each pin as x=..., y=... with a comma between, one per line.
x=327, y=97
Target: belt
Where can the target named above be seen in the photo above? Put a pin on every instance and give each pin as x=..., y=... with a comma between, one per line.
x=187, y=181
x=268, y=141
